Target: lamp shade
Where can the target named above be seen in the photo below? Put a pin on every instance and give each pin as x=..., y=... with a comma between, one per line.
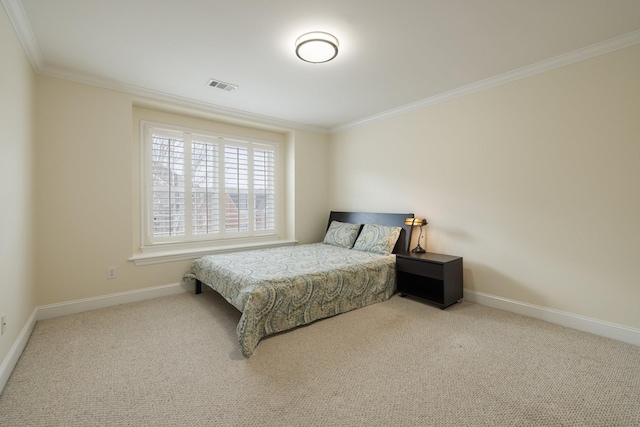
x=317, y=47
x=415, y=221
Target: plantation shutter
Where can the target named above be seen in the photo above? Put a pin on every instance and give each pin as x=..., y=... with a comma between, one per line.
x=204, y=189
x=264, y=189
x=168, y=186
x=236, y=174
x=208, y=187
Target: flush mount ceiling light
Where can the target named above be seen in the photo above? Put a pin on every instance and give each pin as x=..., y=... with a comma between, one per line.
x=317, y=47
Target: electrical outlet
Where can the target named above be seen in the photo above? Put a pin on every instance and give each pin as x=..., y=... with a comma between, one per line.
x=112, y=273
x=3, y=323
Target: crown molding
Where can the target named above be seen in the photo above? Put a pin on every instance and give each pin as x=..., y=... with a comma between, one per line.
x=20, y=23
x=617, y=43
x=140, y=92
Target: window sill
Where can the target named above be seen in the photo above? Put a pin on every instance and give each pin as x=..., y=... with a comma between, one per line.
x=190, y=254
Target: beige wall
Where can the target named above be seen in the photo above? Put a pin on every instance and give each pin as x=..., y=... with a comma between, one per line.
x=536, y=183
x=311, y=186
x=17, y=174
x=84, y=192
x=88, y=189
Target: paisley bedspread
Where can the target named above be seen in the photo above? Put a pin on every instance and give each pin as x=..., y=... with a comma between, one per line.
x=280, y=288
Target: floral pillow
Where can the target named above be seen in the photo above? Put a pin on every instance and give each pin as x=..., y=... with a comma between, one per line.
x=342, y=234
x=379, y=239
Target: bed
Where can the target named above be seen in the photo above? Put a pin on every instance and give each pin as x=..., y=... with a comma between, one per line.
x=278, y=289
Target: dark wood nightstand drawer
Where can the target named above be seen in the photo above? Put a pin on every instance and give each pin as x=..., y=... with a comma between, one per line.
x=424, y=269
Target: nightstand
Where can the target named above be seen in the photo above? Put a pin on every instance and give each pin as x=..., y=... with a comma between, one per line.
x=435, y=278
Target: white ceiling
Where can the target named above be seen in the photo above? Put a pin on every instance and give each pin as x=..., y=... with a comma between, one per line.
x=393, y=54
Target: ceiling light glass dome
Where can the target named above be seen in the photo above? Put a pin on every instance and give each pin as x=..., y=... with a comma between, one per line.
x=317, y=47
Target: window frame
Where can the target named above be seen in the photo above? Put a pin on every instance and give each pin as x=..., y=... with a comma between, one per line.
x=150, y=243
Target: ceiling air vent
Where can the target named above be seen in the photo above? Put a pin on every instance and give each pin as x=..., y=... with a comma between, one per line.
x=222, y=85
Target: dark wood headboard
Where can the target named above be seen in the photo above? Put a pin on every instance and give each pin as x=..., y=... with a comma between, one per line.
x=389, y=219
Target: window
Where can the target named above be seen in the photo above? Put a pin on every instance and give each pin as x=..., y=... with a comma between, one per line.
x=201, y=187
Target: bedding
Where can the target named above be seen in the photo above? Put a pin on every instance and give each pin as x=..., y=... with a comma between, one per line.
x=378, y=239
x=342, y=234
x=281, y=288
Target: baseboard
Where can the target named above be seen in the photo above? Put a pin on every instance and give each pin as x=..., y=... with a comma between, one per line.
x=570, y=320
x=79, y=306
x=16, y=350
x=104, y=301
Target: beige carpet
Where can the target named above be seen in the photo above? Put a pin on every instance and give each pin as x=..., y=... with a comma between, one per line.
x=176, y=361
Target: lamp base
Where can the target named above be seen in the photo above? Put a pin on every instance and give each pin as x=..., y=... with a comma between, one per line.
x=418, y=250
